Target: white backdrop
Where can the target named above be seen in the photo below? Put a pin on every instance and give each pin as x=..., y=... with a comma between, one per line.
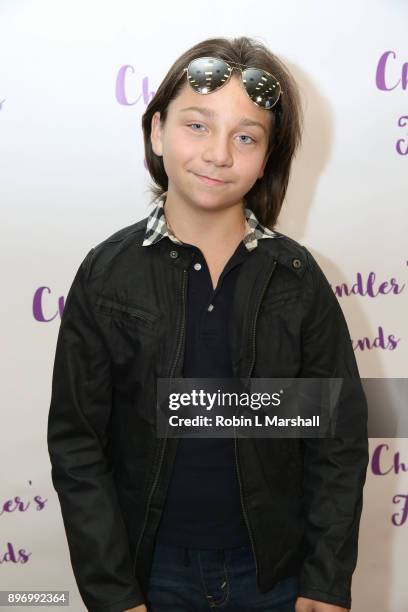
x=72, y=172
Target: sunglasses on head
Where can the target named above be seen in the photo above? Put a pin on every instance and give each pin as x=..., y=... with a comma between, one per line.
x=207, y=74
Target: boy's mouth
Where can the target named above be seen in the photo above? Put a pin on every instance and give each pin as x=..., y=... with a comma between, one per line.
x=210, y=181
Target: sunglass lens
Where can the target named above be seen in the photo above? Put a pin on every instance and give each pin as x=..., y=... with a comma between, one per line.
x=262, y=87
x=205, y=74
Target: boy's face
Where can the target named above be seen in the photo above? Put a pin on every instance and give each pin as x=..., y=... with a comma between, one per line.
x=213, y=143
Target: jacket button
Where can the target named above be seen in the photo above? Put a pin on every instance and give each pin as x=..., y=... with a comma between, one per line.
x=296, y=263
x=174, y=254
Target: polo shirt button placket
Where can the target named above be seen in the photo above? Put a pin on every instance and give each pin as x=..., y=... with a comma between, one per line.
x=197, y=266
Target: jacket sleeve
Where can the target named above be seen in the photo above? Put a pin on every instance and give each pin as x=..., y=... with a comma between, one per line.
x=334, y=467
x=77, y=435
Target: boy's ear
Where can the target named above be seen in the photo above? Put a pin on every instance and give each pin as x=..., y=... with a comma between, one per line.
x=156, y=134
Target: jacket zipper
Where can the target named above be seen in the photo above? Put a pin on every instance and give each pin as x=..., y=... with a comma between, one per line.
x=275, y=261
x=172, y=369
x=235, y=437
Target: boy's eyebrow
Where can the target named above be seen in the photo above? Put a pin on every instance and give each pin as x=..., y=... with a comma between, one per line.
x=209, y=112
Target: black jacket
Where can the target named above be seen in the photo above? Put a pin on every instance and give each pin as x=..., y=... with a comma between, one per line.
x=122, y=327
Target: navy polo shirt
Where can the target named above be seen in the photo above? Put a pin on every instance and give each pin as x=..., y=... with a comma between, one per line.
x=203, y=506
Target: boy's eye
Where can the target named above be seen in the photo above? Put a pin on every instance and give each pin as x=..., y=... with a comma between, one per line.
x=243, y=136
x=191, y=124
x=252, y=140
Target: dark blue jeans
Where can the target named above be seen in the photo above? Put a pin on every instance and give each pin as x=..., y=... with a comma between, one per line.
x=191, y=579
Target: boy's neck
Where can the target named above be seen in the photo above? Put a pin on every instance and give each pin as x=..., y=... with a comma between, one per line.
x=205, y=228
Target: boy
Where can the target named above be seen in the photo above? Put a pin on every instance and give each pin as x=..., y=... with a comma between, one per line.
x=203, y=288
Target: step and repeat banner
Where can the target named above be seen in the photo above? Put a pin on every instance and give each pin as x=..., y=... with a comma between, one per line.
x=75, y=79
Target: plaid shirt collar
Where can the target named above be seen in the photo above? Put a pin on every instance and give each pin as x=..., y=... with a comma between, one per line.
x=157, y=228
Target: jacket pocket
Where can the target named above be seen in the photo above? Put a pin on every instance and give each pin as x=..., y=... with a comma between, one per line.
x=127, y=312
x=281, y=299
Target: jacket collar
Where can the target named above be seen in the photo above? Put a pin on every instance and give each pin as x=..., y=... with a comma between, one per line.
x=157, y=228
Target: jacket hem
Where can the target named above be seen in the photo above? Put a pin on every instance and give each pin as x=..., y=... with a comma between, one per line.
x=331, y=598
x=119, y=606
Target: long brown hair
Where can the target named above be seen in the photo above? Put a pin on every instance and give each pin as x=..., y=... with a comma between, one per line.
x=266, y=196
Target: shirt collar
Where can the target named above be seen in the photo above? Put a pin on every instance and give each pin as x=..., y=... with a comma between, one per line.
x=157, y=228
